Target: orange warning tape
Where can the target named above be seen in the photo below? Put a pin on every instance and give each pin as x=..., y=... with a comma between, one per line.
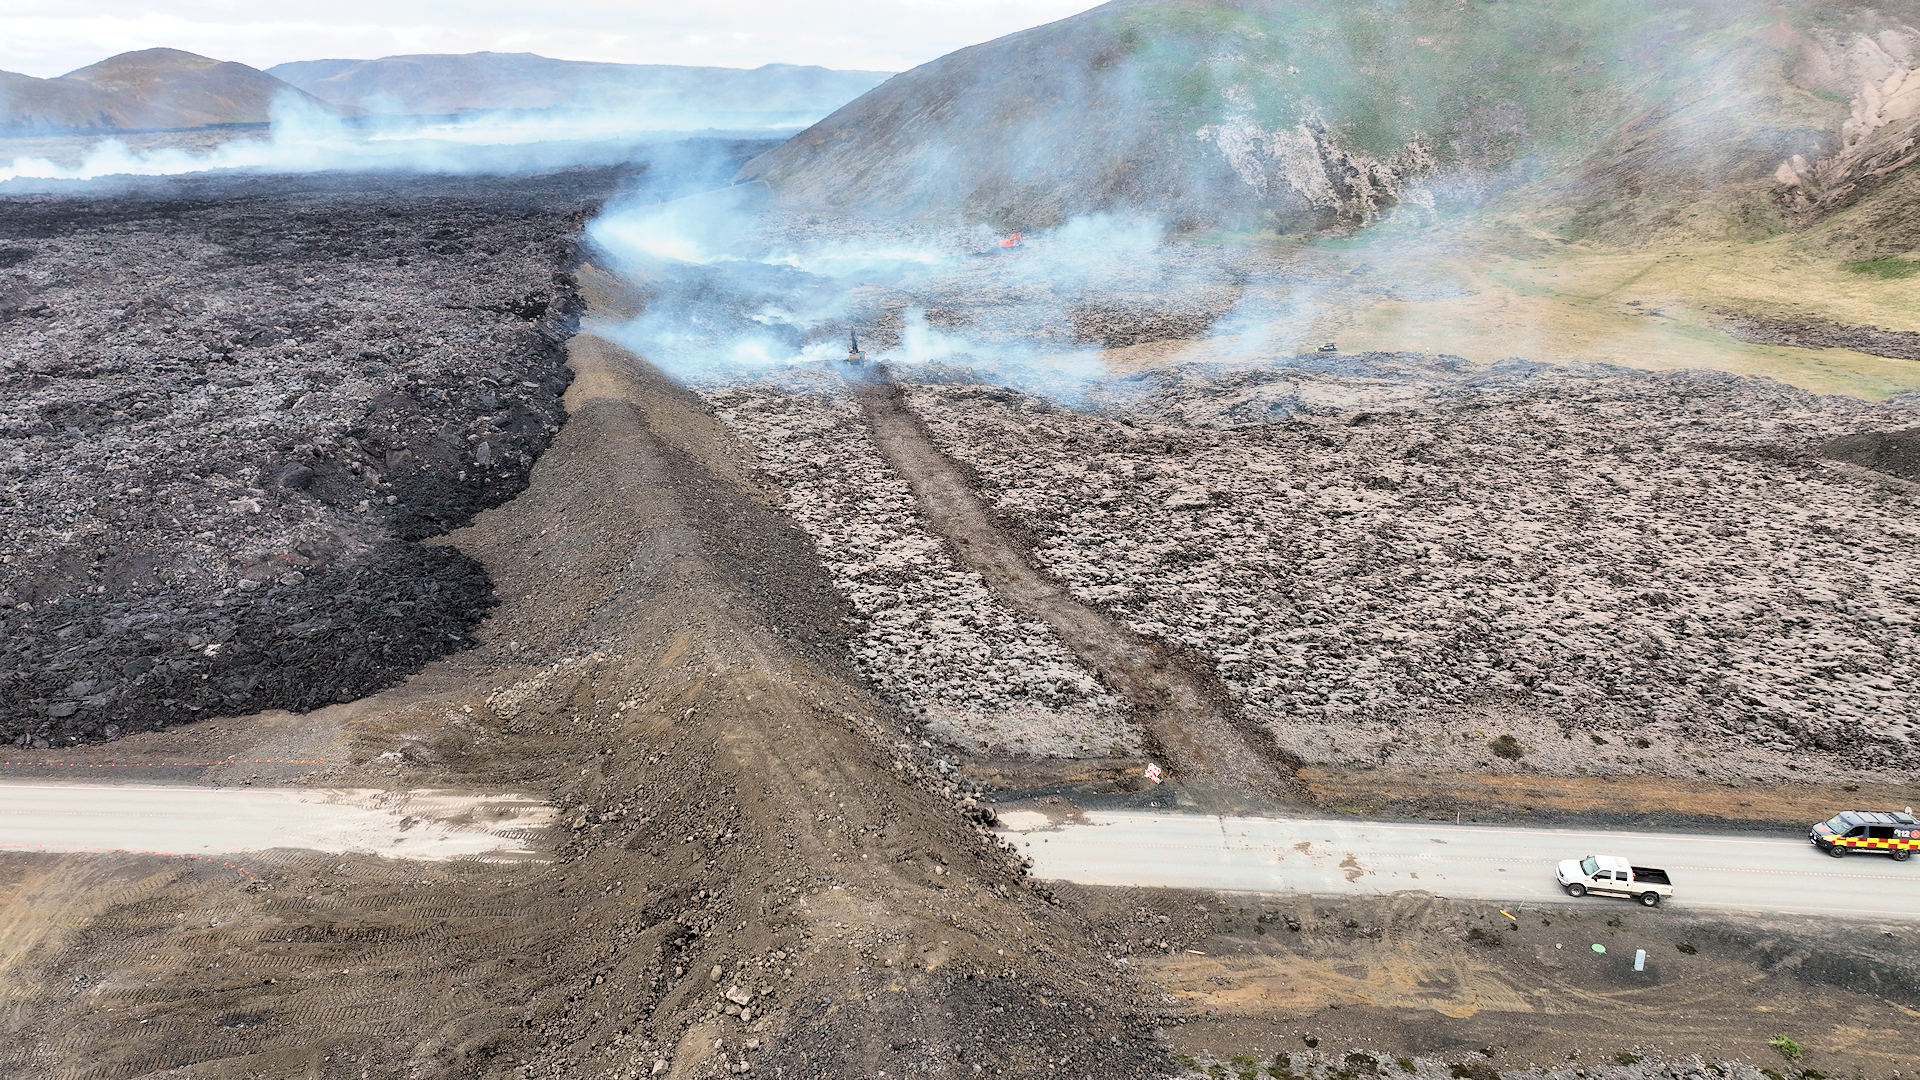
x=236, y=867
x=162, y=764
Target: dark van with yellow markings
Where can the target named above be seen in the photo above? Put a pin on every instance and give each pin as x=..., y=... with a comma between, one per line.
x=1897, y=834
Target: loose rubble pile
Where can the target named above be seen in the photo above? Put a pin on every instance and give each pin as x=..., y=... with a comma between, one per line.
x=932, y=637
x=1397, y=560
x=232, y=406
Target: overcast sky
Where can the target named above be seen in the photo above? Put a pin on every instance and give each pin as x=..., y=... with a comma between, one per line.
x=51, y=37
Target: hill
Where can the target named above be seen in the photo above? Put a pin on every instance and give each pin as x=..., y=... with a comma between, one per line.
x=1620, y=116
x=445, y=84
x=150, y=90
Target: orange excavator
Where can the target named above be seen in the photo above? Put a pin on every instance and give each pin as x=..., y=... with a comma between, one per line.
x=1009, y=242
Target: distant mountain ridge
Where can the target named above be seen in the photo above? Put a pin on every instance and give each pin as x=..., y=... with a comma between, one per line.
x=1621, y=116
x=149, y=90
x=169, y=89
x=442, y=84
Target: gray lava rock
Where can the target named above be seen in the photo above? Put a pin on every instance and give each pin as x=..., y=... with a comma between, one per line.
x=222, y=431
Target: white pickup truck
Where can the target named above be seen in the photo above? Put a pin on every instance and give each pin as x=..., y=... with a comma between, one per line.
x=1607, y=875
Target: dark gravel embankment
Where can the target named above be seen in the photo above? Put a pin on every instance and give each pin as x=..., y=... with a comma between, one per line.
x=1811, y=334
x=231, y=407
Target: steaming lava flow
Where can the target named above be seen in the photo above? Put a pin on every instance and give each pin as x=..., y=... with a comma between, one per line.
x=732, y=290
x=771, y=646
x=751, y=871
x=233, y=407
x=1373, y=560
x=772, y=639
x=1380, y=580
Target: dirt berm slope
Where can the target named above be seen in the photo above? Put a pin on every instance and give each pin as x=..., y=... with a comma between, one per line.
x=733, y=777
x=1626, y=115
x=759, y=814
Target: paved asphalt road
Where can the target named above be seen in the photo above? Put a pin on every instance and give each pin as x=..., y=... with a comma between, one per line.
x=1782, y=874
x=182, y=820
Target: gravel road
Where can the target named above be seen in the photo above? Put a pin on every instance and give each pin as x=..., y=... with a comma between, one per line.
x=182, y=820
x=1782, y=875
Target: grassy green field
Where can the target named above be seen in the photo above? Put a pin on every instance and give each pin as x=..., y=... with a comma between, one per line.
x=1890, y=268
x=1648, y=309
x=1499, y=294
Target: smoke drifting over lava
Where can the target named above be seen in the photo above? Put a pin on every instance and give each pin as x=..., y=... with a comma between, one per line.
x=306, y=139
x=736, y=289
x=1400, y=175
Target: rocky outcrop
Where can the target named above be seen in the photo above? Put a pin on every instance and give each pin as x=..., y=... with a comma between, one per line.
x=1804, y=333
x=1881, y=133
x=1309, y=162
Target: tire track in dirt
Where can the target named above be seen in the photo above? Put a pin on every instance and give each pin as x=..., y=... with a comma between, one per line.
x=1218, y=757
x=88, y=850
x=157, y=764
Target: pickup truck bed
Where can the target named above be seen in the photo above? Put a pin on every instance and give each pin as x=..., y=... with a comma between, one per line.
x=1651, y=875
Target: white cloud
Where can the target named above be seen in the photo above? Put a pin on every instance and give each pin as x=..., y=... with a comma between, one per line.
x=51, y=37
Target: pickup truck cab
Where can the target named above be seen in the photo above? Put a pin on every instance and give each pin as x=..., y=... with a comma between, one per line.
x=1608, y=875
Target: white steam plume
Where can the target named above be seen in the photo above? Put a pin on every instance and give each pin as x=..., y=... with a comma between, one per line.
x=736, y=293
x=304, y=139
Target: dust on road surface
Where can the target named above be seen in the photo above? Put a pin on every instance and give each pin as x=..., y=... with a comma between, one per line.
x=426, y=825
x=1784, y=875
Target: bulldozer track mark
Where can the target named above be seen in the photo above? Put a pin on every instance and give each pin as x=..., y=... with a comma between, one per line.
x=1190, y=722
x=401, y=906
x=347, y=935
x=145, y=1066
x=158, y=764
x=235, y=867
x=286, y=961
x=143, y=995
